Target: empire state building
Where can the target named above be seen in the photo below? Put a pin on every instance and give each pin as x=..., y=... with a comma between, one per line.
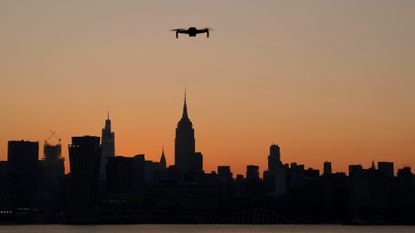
x=186, y=160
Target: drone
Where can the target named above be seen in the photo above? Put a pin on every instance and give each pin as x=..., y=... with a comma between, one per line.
x=191, y=31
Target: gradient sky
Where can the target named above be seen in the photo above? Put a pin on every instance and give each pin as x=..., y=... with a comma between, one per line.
x=327, y=80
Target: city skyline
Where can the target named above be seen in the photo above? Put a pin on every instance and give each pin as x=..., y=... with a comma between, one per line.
x=137, y=190
x=327, y=80
x=186, y=162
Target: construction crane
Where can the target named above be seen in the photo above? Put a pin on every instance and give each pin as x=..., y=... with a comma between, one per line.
x=52, y=151
x=53, y=133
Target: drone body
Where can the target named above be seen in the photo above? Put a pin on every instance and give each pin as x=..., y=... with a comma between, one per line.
x=191, y=31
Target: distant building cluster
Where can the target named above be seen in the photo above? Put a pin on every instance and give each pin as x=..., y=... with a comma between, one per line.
x=104, y=188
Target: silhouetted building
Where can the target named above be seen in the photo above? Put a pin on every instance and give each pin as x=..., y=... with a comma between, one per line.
x=5, y=189
x=275, y=176
x=327, y=168
x=239, y=185
x=386, y=168
x=52, y=166
x=172, y=174
x=163, y=163
x=224, y=172
x=23, y=165
x=368, y=191
x=355, y=169
x=198, y=162
x=51, y=172
x=296, y=175
x=125, y=174
x=4, y=167
x=52, y=151
x=108, y=149
x=151, y=173
x=274, y=157
x=311, y=173
x=253, y=186
x=84, y=159
x=405, y=172
x=252, y=172
x=186, y=160
x=281, y=181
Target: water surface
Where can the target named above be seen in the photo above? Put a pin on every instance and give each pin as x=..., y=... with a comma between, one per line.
x=204, y=229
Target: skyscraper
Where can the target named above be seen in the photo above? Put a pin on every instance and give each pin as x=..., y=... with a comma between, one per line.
x=252, y=172
x=386, y=168
x=327, y=168
x=84, y=159
x=51, y=173
x=275, y=177
x=185, y=158
x=125, y=174
x=23, y=159
x=108, y=148
x=274, y=157
x=52, y=164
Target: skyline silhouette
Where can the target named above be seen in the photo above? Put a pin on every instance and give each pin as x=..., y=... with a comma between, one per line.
x=185, y=156
x=103, y=187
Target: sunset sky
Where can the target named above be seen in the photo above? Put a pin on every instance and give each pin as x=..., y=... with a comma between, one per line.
x=326, y=80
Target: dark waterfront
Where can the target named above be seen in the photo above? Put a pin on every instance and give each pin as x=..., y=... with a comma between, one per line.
x=205, y=228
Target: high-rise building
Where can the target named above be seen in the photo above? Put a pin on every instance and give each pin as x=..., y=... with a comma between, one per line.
x=125, y=175
x=197, y=165
x=386, y=168
x=23, y=159
x=52, y=165
x=275, y=176
x=296, y=174
x=108, y=148
x=252, y=172
x=224, y=172
x=405, y=171
x=51, y=173
x=274, y=157
x=355, y=169
x=186, y=160
x=280, y=181
x=84, y=159
x=327, y=168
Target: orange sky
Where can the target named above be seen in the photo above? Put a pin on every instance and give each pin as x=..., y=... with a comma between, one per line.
x=327, y=80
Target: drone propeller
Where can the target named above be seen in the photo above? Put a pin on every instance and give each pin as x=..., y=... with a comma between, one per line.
x=177, y=29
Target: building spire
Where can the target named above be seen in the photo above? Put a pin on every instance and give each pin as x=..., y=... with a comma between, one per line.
x=108, y=123
x=163, y=162
x=185, y=116
x=162, y=151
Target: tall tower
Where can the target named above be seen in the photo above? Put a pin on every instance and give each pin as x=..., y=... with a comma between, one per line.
x=184, y=150
x=163, y=163
x=84, y=160
x=108, y=147
x=23, y=159
x=274, y=158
